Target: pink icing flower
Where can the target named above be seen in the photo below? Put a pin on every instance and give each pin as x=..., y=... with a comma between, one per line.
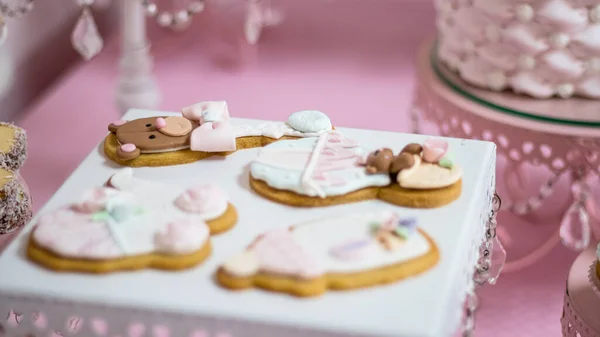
x=95, y=200
x=434, y=149
x=201, y=199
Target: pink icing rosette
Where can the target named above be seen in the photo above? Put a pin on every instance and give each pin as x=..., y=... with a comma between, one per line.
x=434, y=149
x=182, y=237
x=201, y=199
x=94, y=200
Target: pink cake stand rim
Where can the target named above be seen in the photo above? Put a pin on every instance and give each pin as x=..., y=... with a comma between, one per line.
x=427, y=70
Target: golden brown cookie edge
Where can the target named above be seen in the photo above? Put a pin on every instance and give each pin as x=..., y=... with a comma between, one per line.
x=55, y=262
x=335, y=281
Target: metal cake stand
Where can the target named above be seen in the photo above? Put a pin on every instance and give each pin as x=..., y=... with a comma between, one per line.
x=560, y=135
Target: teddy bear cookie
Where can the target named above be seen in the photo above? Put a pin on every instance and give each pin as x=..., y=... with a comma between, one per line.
x=132, y=224
x=338, y=253
x=202, y=130
x=331, y=169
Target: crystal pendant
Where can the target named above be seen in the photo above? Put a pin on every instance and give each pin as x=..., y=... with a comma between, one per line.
x=575, y=228
x=575, y=231
x=498, y=261
x=85, y=37
x=3, y=31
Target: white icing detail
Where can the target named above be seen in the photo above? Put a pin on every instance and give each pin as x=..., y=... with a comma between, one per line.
x=428, y=176
x=274, y=130
x=560, y=13
x=524, y=12
x=564, y=63
x=526, y=82
x=309, y=121
x=559, y=37
x=115, y=225
x=589, y=38
x=526, y=62
x=161, y=151
x=566, y=90
x=559, y=40
x=154, y=195
x=283, y=177
x=244, y=264
x=307, y=183
x=319, y=237
x=497, y=81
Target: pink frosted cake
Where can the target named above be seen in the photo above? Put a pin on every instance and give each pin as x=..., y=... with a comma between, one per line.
x=540, y=48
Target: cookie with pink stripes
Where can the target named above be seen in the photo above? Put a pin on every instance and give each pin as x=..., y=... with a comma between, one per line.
x=337, y=253
x=132, y=224
x=331, y=169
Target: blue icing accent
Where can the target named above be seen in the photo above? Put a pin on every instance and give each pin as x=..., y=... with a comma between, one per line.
x=309, y=121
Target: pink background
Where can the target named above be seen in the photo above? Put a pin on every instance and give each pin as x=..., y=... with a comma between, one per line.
x=352, y=59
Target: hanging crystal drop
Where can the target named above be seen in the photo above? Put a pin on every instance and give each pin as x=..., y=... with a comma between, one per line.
x=575, y=227
x=85, y=37
x=3, y=31
x=498, y=260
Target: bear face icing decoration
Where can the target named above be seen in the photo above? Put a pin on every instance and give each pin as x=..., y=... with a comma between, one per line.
x=384, y=161
x=432, y=151
x=147, y=135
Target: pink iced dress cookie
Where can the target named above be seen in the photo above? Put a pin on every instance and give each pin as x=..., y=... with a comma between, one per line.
x=337, y=253
x=132, y=224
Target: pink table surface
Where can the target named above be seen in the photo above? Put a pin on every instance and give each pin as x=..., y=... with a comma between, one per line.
x=359, y=71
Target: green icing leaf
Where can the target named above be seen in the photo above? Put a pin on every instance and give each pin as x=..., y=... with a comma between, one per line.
x=446, y=163
x=402, y=232
x=100, y=216
x=375, y=226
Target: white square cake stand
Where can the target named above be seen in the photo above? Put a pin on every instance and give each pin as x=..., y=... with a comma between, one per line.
x=191, y=304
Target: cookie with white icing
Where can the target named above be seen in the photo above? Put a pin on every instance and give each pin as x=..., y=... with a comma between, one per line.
x=332, y=169
x=132, y=224
x=203, y=130
x=337, y=253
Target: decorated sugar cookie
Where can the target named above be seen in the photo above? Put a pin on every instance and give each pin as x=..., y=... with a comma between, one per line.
x=332, y=169
x=338, y=253
x=202, y=130
x=132, y=224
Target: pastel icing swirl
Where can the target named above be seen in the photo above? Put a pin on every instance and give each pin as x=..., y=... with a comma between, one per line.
x=202, y=199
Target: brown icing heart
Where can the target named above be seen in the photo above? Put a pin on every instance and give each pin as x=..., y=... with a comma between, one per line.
x=412, y=148
x=401, y=162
